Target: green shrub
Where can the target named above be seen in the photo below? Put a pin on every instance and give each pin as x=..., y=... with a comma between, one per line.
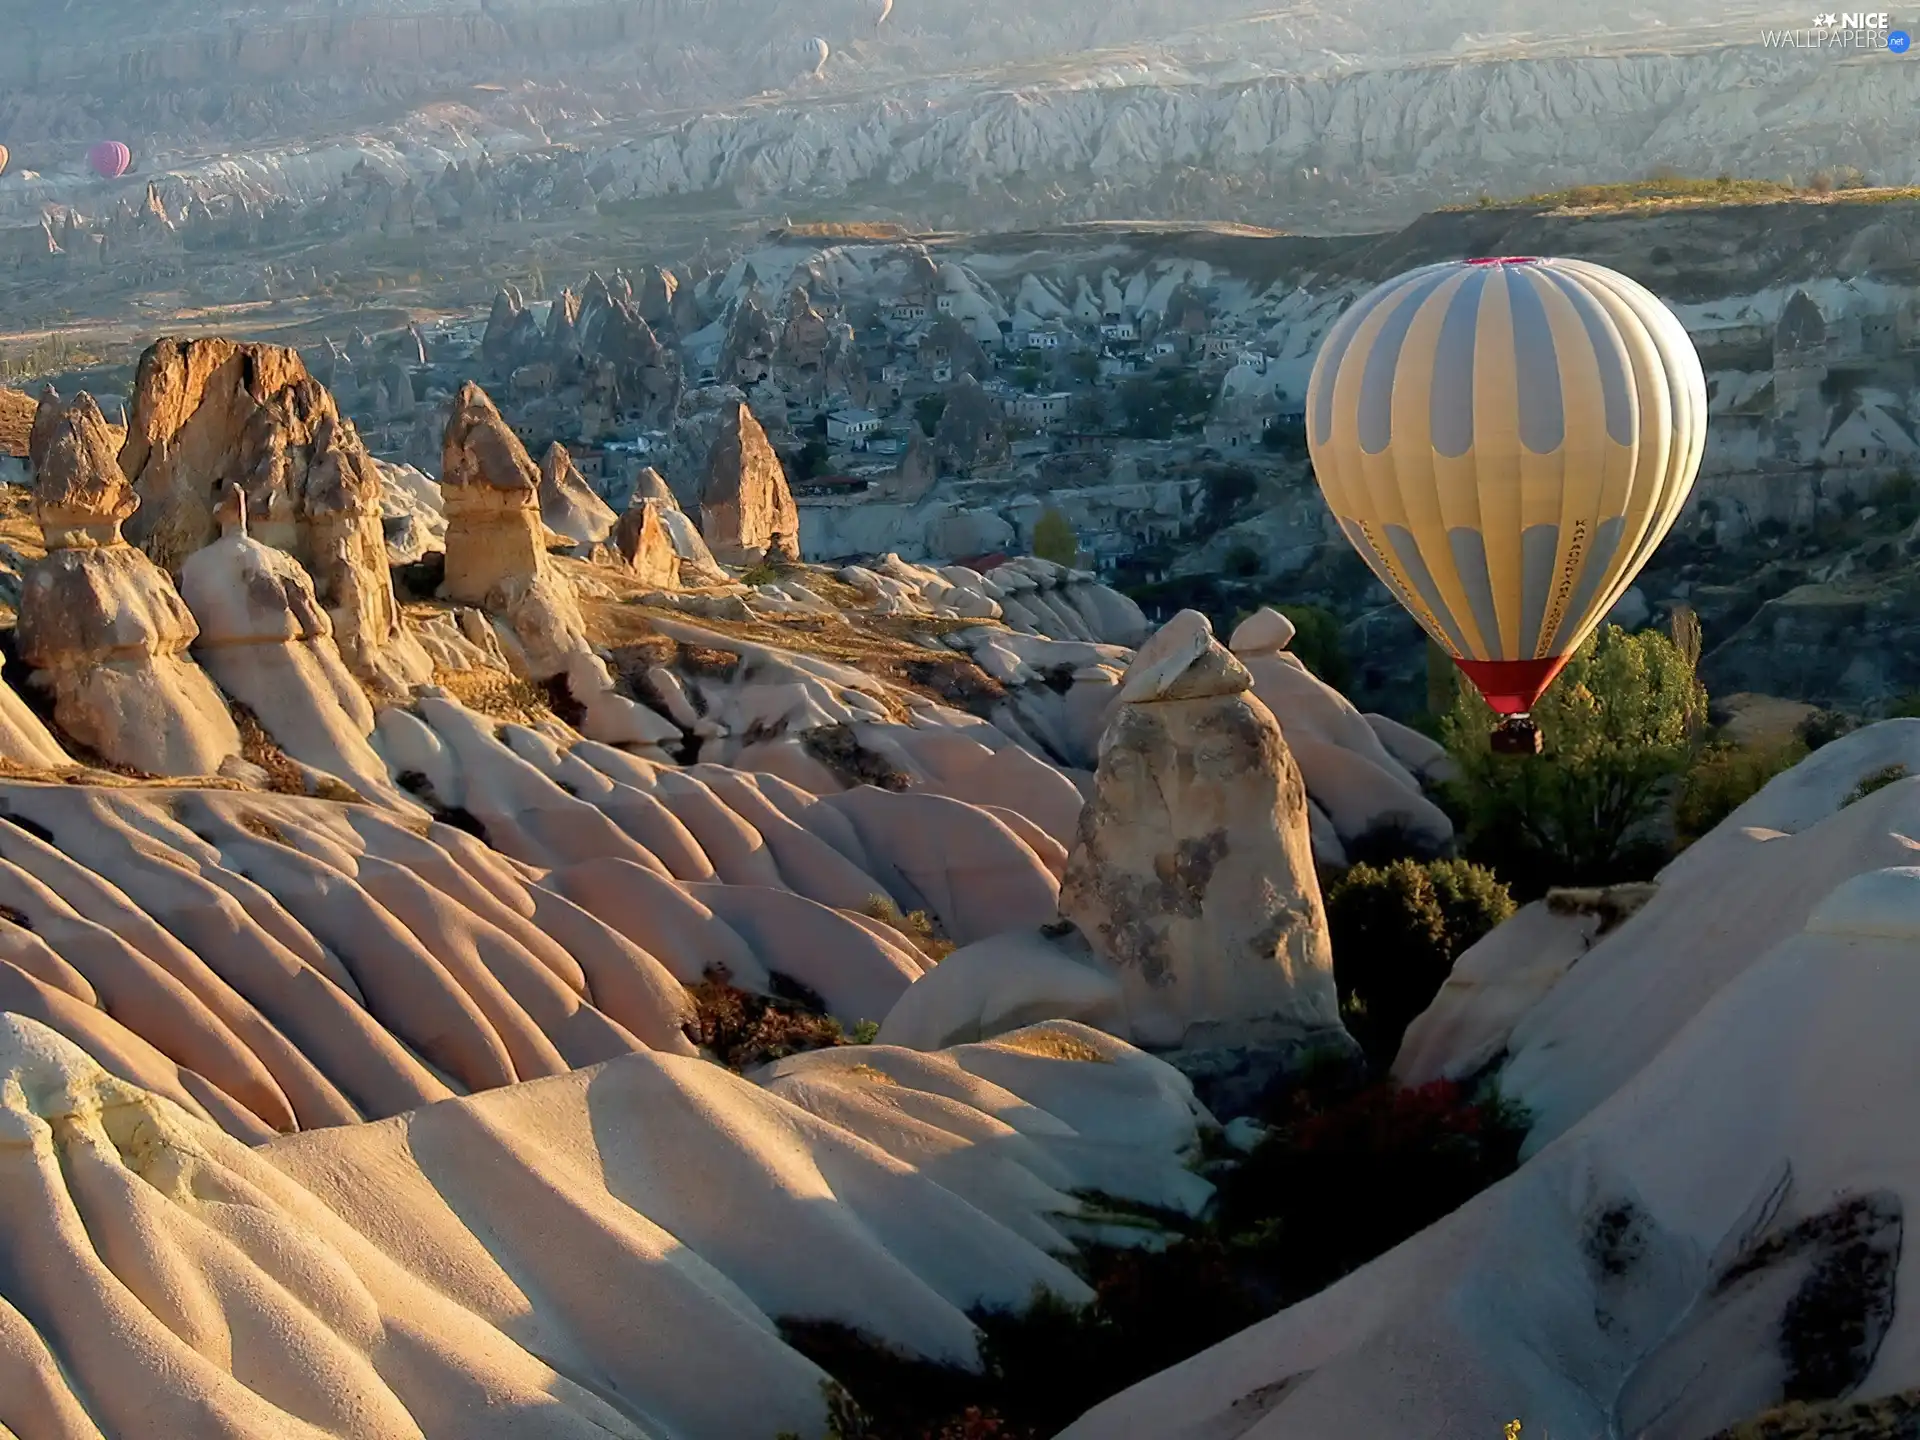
x=1878, y=780
x=1620, y=725
x=1722, y=778
x=1054, y=539
x=1823, y=727
x=1396, y=930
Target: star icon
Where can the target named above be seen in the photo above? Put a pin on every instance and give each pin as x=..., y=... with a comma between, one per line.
x=1829, y=20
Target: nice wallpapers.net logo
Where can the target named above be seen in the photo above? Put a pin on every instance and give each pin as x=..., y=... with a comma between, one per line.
x=1842, y=30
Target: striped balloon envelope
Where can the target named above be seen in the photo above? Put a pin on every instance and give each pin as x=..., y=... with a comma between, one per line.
x=1505, y=442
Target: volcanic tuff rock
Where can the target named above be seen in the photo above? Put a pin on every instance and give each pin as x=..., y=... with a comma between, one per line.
x=1192, y=872
x=660, y=540
x=491, y=489
x=747, y=513
x=268, y=643
x=252, y=415
x=568, y=506
x=101, y=626
x=972, y=432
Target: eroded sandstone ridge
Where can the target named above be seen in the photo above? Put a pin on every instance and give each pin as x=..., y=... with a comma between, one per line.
x=1192, y=871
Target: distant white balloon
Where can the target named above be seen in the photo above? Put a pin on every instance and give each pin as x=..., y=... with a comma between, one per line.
x=820, y=52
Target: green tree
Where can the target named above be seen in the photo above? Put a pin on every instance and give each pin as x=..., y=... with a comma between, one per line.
x=1396, y=931
x=812, y=459
x=1620, y=724
x=1082, y=365
x=1053, y=538
x=927, y=410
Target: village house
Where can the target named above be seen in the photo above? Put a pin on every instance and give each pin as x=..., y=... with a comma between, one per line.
x=908, y=312
x=944, y=303
x=1042, y=412
x=851, y=427
x=1115, y=329
x=1216, y=346
x=1046, y=339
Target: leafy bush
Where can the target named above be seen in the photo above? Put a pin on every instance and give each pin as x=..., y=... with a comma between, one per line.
x=1620, y=726
x=927, y=411
x=1053, y=538
x=1396, y=931
x=1823, y=727
x=1722, y=778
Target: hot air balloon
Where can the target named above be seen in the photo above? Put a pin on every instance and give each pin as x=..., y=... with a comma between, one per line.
x=886, y=9
x=1505, y=442
x=819, y=49
x=109, y=159
x=3, y=159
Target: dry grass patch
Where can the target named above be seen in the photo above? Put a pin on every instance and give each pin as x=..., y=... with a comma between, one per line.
x=258, y=748
x=259, y=825
x=1051, y=1045
x=918, y=927
x=496, y=694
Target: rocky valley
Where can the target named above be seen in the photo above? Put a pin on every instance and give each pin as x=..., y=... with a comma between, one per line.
x=687, y=750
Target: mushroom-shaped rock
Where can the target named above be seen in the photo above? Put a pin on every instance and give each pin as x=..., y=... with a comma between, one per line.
x=268, y=643
x=491, y=490
x=211, y=409
x=100, y=624
x=568, y=506
x=1192, y=872
x=746, y=511
x=1262, y=632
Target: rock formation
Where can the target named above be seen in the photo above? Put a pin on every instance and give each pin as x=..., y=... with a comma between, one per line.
x=1192, y=872
x=972, y=433
x=752, y=341
x=268, y=643
x=747, y=513
x=1357, y=786
x=568, y=506
x=660, y=541
x=214, y=410
x=491, y=489
x=101, y=626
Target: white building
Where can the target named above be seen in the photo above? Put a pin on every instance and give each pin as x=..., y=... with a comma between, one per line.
x=944, y=304
x=851, y=427
x=1042, y=340
x=1043, y=412
x=908, y=312
x=1120, y=330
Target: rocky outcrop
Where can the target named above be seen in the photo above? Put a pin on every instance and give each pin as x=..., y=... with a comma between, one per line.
x=1192, y=872
x=747, y=513
x=101, y=626
x=251, y=415
x=972, y=433
x=753, y=338
x=568, y=506
x=661, y=542
x=1357, y=787
x=268, y=643
x=491, y=490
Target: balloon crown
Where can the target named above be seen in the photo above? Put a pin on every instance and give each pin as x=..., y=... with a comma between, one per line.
x=1506, y=260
